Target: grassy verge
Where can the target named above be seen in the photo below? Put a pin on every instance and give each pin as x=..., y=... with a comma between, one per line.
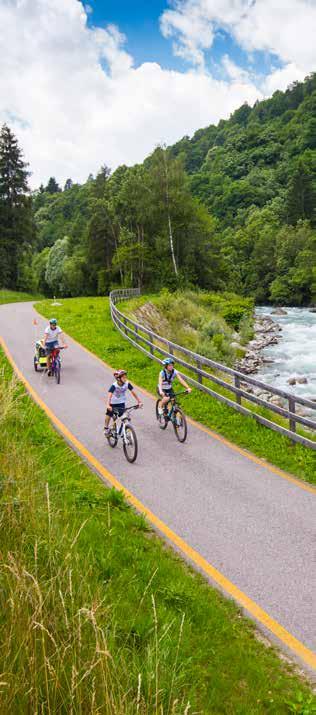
x=96, y=615
x=11, y=296
x=88, y=320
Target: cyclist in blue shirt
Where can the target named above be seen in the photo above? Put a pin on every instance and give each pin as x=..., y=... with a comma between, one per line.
x=117, y=395
x=165, y=384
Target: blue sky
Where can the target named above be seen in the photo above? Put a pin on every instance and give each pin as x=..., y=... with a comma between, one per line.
x=139, y=21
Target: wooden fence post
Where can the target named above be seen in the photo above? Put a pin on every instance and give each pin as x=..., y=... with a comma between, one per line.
x=292, y=409
x=237, y=384
x=199, y=367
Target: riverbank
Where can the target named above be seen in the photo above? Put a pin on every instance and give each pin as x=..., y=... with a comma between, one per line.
x=287, y=360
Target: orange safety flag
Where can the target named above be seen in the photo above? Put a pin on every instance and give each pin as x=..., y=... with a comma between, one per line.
x=34, y=321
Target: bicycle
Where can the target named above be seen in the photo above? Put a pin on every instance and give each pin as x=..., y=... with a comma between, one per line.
x=126, y=432
x=174, y=415
x=55, y=366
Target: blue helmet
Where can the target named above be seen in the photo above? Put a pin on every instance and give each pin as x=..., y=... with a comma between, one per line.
x=168, y=361
x=53, y=321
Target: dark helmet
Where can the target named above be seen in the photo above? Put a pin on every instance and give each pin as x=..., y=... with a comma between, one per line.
x=120, y=373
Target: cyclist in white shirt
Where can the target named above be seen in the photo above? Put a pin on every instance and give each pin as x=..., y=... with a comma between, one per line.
x=166, y=378
x=117, y=395
x=51, y=339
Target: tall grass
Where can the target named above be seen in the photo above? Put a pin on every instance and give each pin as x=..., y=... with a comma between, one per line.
x=11, y=296
x=96, y=616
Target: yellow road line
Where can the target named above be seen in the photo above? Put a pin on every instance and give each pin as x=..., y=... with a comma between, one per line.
x=274, y=470
x=294, y=645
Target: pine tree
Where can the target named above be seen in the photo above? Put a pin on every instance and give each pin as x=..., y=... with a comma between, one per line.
x=52, y=186
x=16, y=224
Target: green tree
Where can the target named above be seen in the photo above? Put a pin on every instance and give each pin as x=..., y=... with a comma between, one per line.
x=301, y=202
x=16, y=222
x=55, y=266
x=52, y=186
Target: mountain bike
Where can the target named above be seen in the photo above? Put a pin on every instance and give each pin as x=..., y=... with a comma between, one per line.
x=172, y=413
x=55, y=365
x=126, y=432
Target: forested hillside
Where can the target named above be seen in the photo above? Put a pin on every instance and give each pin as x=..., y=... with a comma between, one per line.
x=232, y=208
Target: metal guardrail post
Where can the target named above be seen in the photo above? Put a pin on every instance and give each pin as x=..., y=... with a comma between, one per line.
x=292, y=421
x=237, y=384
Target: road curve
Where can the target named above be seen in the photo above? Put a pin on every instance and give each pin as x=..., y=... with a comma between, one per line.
x=255, y=527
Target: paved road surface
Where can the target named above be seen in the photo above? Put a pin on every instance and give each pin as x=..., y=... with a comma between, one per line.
x=255, y=527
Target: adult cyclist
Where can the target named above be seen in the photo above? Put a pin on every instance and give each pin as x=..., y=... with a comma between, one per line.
x=165, y=383
x=52, y=334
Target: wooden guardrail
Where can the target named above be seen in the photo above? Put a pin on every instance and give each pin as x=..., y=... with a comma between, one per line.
x=144, y=339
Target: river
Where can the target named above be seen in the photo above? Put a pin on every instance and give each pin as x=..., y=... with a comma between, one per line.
x=295, y=354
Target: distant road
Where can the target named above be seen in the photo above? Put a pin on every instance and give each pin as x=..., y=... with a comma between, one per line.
x=255, y=527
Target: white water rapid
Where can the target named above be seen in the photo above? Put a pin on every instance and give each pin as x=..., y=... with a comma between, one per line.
x=295, y=354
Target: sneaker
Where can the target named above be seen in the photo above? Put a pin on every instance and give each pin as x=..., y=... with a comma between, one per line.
x=106, y=430
x=160, y=411
x=49, y=373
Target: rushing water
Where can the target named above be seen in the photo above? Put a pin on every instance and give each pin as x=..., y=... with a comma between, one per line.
x=295, y=354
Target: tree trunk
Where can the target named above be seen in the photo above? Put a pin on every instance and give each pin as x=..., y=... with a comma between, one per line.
x=169, y=219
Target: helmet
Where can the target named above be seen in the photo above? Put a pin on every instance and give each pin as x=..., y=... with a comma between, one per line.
x=120, y=373
x=53, y=321
x=168, y=361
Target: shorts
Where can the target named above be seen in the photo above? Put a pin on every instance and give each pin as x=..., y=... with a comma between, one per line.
x=167, y=392
x=117, y=410
x=51, y=346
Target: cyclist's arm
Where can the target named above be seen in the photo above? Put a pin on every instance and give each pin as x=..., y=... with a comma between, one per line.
x=108, y=404
x=61, y=336
x=160, y=385
x=183, y=382
x=139, y=402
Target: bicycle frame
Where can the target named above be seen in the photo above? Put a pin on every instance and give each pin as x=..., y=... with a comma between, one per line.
x=174, y=403
x=124, y=419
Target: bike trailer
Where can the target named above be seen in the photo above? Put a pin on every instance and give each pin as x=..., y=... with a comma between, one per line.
x=40, y=359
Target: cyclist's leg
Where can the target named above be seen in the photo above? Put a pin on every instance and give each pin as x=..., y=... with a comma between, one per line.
x=164, y=401
x=116, y=410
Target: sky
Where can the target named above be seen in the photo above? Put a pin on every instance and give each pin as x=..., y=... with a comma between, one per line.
x=84, y=84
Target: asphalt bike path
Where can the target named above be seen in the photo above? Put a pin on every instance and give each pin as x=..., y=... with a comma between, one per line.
x=255, y=527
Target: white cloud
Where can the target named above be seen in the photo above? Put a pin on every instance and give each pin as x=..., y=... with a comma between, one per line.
x=286, y=28
x=75, y=100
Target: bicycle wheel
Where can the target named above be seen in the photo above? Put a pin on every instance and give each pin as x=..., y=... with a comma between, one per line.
x=112, y=437
x=57, y=371
x=180, y=425
x=130, y=445
x=161, y=419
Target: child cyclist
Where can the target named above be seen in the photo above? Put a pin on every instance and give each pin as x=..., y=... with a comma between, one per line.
x=117, y=397
x=166, y=378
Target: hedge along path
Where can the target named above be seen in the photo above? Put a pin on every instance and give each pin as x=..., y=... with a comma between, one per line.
x=260, y=614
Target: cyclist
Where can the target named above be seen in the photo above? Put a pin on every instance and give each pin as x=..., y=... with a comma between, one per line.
x=117, y=397
x=51, y=335
x=166, y=378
